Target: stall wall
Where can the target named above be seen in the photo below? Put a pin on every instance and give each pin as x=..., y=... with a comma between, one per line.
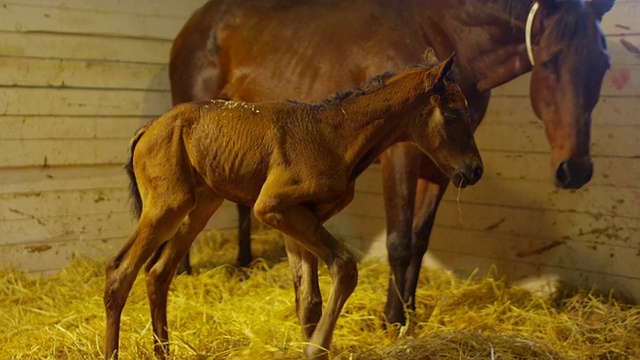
x=77, y=78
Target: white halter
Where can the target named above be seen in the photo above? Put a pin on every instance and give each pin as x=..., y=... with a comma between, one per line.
x=527, y=29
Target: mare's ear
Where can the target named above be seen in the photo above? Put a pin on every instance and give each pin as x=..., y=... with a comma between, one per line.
x=429, y=57
x=601, y=7
x=550, y=5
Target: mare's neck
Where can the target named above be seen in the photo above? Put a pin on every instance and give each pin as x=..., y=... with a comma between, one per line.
x=488, y=37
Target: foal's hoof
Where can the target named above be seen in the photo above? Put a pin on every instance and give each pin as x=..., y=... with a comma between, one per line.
x=315, y=352
x=184, y=268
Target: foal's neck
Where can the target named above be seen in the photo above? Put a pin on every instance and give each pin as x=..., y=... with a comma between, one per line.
x=368, y=124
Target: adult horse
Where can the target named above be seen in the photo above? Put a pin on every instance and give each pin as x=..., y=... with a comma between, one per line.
x=278, y=49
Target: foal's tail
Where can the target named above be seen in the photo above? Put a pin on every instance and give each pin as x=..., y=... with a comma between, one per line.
x=134, y=192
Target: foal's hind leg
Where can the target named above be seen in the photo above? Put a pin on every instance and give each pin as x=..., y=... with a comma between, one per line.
x=166, y=186
x=157, y=224
x=304, y=267
x=162, y=266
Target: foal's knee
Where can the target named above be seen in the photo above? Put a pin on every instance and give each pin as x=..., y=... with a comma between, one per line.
x=265, y=212
x=345, y=273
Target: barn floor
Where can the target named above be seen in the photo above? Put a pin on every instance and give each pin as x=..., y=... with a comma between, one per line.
x=228, y=313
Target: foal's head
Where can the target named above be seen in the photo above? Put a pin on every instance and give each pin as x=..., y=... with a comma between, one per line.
x=448, y=139
x=570, y=58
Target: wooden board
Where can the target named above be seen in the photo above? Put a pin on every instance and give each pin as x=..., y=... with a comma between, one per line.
x=157, y=9
x=87, y=74
x=84, y=47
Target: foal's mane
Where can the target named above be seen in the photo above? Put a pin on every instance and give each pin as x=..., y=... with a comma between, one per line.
x=372, y=85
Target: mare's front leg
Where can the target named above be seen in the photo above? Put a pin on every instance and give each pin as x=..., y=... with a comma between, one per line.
x=279, y=206
x=428, y=196
x=400, y=165
x=244, y=235
x=162, y=265
x=304, y=267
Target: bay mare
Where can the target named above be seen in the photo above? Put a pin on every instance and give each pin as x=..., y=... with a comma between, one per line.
x=257, y=50
x=296, y=164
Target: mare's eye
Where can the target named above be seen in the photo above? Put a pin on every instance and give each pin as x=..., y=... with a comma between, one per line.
x=551, y=66
x=449, y=119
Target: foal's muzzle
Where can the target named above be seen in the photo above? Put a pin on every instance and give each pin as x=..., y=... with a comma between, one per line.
x=574, y=173
x=468, y=175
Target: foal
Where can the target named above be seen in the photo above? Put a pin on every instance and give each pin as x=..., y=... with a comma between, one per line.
x=296, y=164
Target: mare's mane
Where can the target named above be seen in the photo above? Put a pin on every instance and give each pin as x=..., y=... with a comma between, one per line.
x=569, y=22
x=515, y=8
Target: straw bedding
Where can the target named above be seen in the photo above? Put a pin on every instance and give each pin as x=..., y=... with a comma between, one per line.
x=228, y=313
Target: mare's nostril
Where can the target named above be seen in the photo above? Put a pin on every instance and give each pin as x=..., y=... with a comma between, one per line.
x=477, y=173
x=573, y=174
x=563, y=174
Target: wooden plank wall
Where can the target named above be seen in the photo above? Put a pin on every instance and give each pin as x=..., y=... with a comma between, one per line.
x=78, y=78
x=515, y=212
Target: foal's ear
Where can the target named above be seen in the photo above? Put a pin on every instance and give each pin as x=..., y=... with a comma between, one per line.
x=601, y=7
x=444, y=69
x=447, y=65
x=429, y=57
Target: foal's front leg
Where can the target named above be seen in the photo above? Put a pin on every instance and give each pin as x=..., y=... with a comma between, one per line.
x=304, y=267
x=278, y=207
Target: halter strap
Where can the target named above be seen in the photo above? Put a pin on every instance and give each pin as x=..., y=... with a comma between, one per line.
x=527, y=29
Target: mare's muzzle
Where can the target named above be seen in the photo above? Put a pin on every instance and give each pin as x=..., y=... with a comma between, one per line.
x=574, y=173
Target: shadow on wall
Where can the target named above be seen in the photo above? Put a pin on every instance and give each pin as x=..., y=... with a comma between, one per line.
x=534, y=237
x=157, y=97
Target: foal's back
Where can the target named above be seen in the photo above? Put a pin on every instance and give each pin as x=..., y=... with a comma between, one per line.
x=232, y=145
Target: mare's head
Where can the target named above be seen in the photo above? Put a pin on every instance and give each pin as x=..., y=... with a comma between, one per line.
x=570, y=59
x=443, y=129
